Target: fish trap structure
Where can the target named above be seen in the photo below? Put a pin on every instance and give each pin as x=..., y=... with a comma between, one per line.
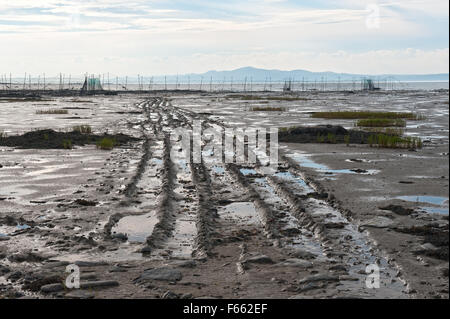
x=91, y=86
x=369, y=85
x=287, y=87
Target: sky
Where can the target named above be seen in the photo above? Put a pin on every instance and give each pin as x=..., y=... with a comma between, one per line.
x=190, y=36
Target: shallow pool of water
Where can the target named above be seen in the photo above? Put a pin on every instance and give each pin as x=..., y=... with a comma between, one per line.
x=137, y=228
x=435, y=210
x=244, y=212
x=436, y=200
x=246, y=171
x=304, y=161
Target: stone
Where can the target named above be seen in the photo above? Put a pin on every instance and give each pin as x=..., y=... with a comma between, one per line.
x=319, y=277
x=259, y=259
x=399, y=210
x=184, y=264
x=81, y=263
x=297, y=263
x=338, y=268
x=4, y=270
x=120, y=236
x=309, y=286
x=28, y=256
x=378, y=222
x=303, y=254
x=55, y=264
x=84, y=202
x=52, y=288
x=79, y=294
x=160, y=274
x=98, y=284
x=170, y=295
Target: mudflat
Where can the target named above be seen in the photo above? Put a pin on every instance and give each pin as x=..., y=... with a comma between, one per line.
x=142, y=221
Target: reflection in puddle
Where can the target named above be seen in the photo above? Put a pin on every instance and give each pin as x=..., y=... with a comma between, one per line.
x=23, y=226
x=436, y=200
x=218, y=170
x=294, y=179
x=433, y=200
x=246, y=171
x=156, y=161
x=137, y=228
x=244, y=212
x=304, y=161
x=435, y=210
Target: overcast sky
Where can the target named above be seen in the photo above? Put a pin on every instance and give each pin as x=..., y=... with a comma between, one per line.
x=169, y=37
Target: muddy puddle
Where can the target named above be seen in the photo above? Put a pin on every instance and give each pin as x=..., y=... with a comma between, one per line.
x=431, y=200
x=136, y=228
x=242, y=212
x=291, y=178
x=304, y=160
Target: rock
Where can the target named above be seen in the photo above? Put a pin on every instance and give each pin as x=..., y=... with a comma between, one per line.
x=428, y=246
x=160, y=274
x=120, y=236
x=81, y=263
x=359, y=170
x=88, y=277
x=3, y=252
x=338, y=268
x=170, y=295
x=319, y=277
x=4, y=270
x=84, y=202
x=55, y=264
x=44, y=281
x=14, y=276
x=98, y=284
x=303, y=254
x=348, y=278
x=184, y=264
x=260, y=259
x=338, y=225
x=118, y=269
x=297, y=263
x=399, y=210
x=52, y=288
x=28, y=256
x=309, y=286
x=378, y=222
x=79, y=294
x=146, y=250
x=301, y=297
x=4, y=238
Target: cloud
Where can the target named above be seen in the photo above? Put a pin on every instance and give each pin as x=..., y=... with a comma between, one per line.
x=176, y=35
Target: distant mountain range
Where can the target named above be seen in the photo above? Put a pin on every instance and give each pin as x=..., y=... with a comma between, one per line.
x=248, y=74
x=262, y=75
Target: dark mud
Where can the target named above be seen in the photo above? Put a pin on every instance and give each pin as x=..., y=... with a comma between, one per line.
x=435, y=239
x=50, y=139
